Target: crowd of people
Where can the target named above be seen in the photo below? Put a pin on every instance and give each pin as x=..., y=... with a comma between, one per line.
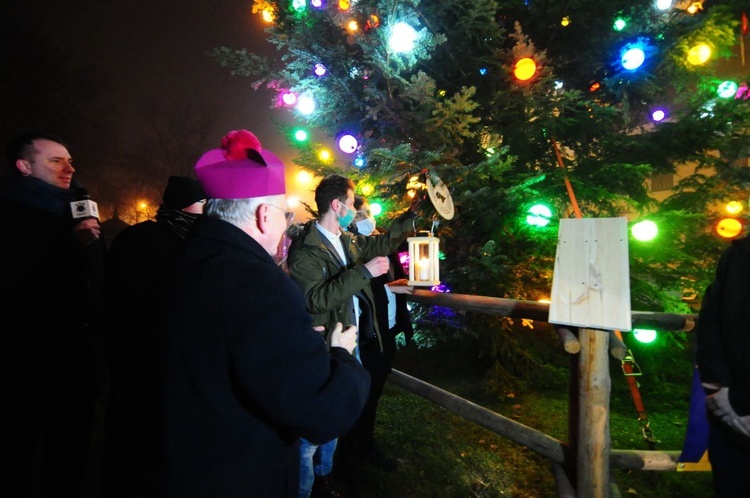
x=227, y=375
x=222, y=369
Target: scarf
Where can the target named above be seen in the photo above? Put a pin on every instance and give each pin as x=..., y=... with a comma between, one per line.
x=38, y=194
x=178, y=222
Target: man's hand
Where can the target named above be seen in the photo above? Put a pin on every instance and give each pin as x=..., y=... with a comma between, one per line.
x=87, y=231
x=377, y=266
x=401, y=286
x=341, y=338
x=718, y=404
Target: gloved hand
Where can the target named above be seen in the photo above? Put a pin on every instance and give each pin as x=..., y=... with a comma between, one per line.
x=718, y=404
x=743, y=423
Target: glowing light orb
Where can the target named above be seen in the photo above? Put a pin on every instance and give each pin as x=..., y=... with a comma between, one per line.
x=645, y=336
x=402, y=38
x=300, y=135
x=268, y=16
x=348, y=144
x=644, y=230
x=345, y=4
x=727, y=89
x=352, y=26
x=619, y=24
x=299, y=4
x=367, y=190
x=359, y=162
x=632, y=58
x=658, y=115
x=733, y=207
x=304, y=177
x=319, y=70
x=728, y=228
x=663, y=4
x=325, y=155
x=306, y=105
x=565, y=21
x=289, y=98
x=376, y=208
x=316, y=3
x=699, y=54
x=525, y=69
x=539, y=215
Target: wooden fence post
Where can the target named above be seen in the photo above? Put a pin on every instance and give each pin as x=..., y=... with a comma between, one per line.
x=590, y=290
x=594, y=443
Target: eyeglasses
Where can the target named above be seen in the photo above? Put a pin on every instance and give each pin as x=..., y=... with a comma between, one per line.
x=288, y=215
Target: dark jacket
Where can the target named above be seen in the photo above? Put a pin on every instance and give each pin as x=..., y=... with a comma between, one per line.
x=50, y=297
x=134, y=261
x=723, y=332
x=328, y=286
x=242, y=373
x=50, y=287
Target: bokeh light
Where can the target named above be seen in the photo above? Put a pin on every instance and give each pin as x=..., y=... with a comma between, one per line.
x=699, y=54
x=645, y=336
x=644, y=230
x=539, y=215
x=348, y=143
x=525, y=69
x=632, y=58
x=402, y=38
x=729, y=228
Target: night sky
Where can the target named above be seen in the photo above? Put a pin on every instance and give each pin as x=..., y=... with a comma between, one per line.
x=83, y=69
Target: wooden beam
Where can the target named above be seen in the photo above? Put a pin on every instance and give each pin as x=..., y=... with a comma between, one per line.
x=536, y=441
x=644, y=460
x=533, y=310
x=569, y=340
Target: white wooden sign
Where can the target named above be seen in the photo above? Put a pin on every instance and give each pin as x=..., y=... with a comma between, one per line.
x=591, y=283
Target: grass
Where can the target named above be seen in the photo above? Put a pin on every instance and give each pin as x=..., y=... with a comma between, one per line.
x=440, y=455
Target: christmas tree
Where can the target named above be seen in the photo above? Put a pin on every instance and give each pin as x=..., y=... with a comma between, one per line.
x=515, y=103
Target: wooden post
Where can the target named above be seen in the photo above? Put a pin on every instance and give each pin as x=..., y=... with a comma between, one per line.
x=593, y=435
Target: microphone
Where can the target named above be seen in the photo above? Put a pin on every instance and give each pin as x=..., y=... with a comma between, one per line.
x=83, y=207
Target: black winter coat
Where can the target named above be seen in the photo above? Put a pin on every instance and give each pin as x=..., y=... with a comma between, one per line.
x=723, y=331
x=242, y=373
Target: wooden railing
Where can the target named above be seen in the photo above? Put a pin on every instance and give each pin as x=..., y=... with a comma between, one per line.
x=587, y=456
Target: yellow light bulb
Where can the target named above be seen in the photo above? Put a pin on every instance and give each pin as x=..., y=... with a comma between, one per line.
x=733, y=207
x=699, y=54
x=525, y=69
x=728, y=228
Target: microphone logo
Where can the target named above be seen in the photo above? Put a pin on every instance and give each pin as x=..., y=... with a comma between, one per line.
x=84, y=207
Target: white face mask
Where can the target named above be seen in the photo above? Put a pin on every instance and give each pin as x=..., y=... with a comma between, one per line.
x=366, y=226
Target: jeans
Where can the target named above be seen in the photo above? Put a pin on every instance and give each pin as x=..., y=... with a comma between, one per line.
x=314, y=460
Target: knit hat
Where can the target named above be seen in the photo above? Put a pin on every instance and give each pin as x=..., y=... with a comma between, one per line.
x=182, y=191
x=241, y=169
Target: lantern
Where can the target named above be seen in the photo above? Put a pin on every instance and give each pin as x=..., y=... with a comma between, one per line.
x=424, y=264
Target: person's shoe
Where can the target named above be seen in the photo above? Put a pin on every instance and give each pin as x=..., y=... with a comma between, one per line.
x=323, y=487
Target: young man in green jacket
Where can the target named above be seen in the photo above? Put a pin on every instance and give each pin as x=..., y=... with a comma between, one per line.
x=334, y=268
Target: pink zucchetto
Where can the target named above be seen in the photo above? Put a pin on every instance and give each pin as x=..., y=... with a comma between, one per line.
x=241, y=169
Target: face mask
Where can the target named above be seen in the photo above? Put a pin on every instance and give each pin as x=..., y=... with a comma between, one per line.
x=346, y=220
x=366, y=226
